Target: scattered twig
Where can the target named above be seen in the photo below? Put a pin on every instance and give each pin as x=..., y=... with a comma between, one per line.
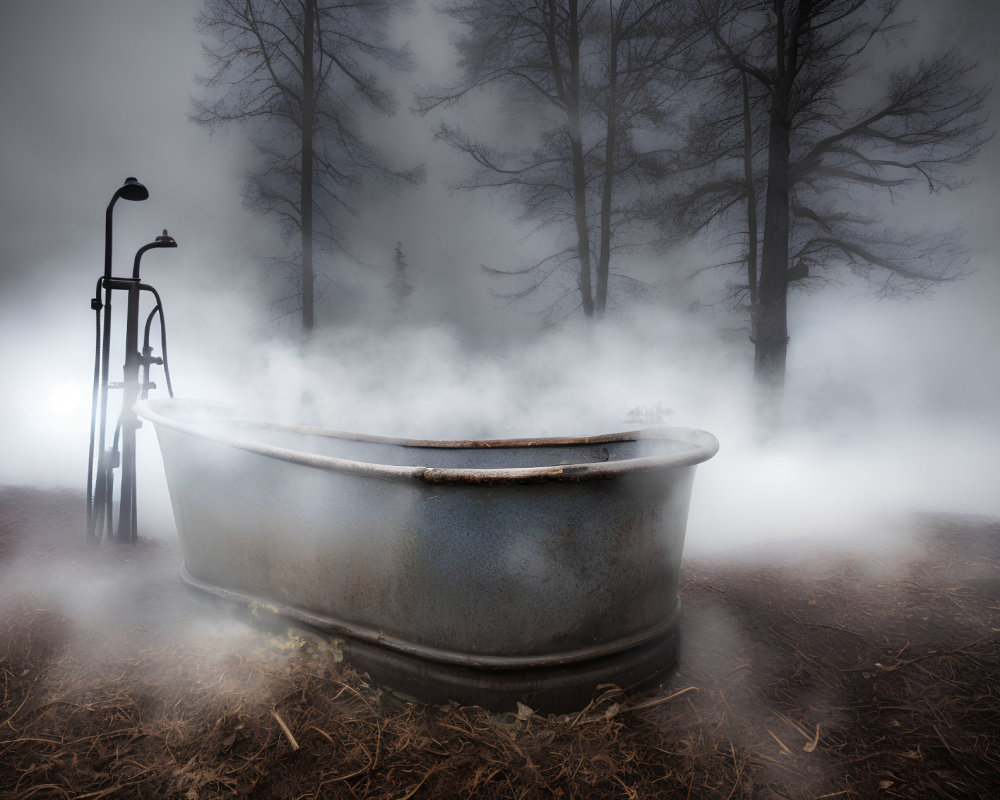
x=420, y=783
x=774, y=736
x=658, y=700
x=811, y=745
x=284, y=728
x=323, y=733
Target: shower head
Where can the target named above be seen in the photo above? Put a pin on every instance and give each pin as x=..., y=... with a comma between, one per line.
x=133, y=190
x=163, y=240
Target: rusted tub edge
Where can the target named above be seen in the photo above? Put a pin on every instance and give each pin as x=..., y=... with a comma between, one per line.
x=702, y=447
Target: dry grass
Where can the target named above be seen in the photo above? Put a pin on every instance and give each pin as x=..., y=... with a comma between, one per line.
x=829, y=679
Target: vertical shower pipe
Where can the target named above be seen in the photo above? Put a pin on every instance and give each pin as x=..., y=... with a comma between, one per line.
x=127, y=516
x=98, y=467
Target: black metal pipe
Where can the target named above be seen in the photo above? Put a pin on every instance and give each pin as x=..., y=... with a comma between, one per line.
x=163, y=240
x=92, y=465
x=147, y=350
x=131, y=189
x=127, y=516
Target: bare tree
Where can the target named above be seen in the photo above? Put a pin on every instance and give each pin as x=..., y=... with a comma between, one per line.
x=399, y=286
x=785, y=129
x=720, y=172
x=296, y=73
x=590, y=80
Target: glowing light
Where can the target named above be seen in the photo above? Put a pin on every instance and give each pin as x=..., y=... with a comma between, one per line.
x=67, y=400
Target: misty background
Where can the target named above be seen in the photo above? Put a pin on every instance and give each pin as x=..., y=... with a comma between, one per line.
x=892, y=407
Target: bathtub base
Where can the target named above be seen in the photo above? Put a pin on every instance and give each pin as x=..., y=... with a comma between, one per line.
x=547, y=690
x=547, y=685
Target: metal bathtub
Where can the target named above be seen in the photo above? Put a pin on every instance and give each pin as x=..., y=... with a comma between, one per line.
x=477, y=571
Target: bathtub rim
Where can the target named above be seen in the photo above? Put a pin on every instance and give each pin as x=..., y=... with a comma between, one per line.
x=701, y=447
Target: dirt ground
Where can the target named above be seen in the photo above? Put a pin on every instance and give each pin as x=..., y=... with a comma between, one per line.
x=814, y=676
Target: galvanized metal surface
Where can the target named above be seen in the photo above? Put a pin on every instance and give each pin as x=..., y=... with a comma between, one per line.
x=504, y=563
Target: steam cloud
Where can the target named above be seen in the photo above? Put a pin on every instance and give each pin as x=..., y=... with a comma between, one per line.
x=892, y=407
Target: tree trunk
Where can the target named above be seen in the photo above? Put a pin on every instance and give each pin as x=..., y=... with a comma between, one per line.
x=579, y=174
x=604, y=258
x=772, y=319
x=306, y=198
x=751, y=206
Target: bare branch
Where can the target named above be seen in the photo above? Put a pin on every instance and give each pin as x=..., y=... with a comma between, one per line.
x=296, y=95
x=588, y=81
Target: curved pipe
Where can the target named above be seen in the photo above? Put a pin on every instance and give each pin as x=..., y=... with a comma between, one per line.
x=163, y=240
x=131, y=189
x=146, y=350
x=131, y=392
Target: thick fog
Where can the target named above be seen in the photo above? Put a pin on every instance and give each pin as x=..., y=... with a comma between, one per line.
x=891, y=407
